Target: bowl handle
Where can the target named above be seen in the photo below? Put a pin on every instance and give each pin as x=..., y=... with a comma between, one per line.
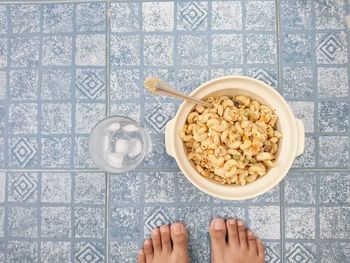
x=301, y=137
x=169, y=146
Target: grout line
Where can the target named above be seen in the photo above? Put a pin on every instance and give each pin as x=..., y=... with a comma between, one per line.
x=72, y=220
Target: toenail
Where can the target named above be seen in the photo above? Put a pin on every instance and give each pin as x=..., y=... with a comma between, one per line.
x=148, y=242
x=163, y=229
x=232, y=222
x=155, y=232
x=250, y=233
x=218, y=224
x=240, y=223
x=141, y=252
x=177, y=228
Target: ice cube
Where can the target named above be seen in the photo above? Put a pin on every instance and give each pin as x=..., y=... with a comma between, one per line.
x=115, y=159
x=114, y=127
x=130, y=128
x=135, y=148
x=121, y=146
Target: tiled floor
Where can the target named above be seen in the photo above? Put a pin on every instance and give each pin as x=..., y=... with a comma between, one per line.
x=66, y=65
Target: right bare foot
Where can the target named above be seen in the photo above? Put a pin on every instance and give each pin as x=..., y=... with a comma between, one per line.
x=232, y=243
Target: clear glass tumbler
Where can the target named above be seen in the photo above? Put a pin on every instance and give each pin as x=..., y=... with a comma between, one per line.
x=118, y=144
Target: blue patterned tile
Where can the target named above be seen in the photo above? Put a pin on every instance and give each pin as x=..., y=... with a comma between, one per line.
x=56, y=222
x=331, y=48
x=158, y=50
x=265, y=221
x=3, y=113
x=304, y=110
x=91, y=17
x=89, y=252
x=2, y=186
x=2, y=221
x=199, y=251
x=334, y=188
x=222, y=18
x=300, y=222
x=296, y=14
x=334, y=221
x=57, y=18
x=56, y=118
x=191, y=79
x=158, y=157
x=125, y=50
x=89, y=222
x=308, y=158
x=56, y=84
x=227, y=212
x=19, y=251
x=3, y=19
x=260, y=15
x=269, y=76
x=334, y=151
x=23, y=118
x=125, y=187
x=298, y=82
x=89, y=188
x=272, y=196
x=55, y=152
x=2, y=152
x=57, y=51
x=158, y=16
x=164, y=183
x=125, y=84
x=56, y=187
x=192, y=50
x=22, y=187
x=124, y=222
x=330, y=14
x=25, y=18
x=197, y=221
x=23, y=222
x=2, y=251
x=24, y=51
x=157, y=216
x=81, y=153
x=90, y=50
x=90, y=84
x=2, y=85
x=336, y=252
x=300, y=252
x=260, y=48
x=272, y=252
x=332, y=82
x=219, y=72
x=333, y=116
x=227, y=49
x=157, y=116
x=123, y=251
x=3, y=52
x=300, y=188
x=23, y=152
x=192, y=16
x=87, y=115
x=188, y=193
x=23, y=84
x=297, y=48
x=53, y=251
x=124, y=17
x=131, y=110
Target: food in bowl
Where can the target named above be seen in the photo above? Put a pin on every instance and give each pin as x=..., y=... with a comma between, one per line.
x=231, y=143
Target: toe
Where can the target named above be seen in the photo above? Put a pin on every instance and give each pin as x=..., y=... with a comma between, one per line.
x=231, y=225
x=148, y=248
x=242, y=235
x=141, y=258
x=165, y=237
x=157, y=247
x=179, y=237
x=251, y=240
x=260, y=248
x=218, y=232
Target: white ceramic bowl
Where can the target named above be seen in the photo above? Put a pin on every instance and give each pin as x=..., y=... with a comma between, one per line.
x=291, y=144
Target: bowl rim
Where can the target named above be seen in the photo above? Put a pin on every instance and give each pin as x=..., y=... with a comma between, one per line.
x=284, y=169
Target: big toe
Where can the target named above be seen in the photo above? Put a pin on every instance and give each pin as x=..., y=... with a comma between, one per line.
x=179, y=237
x=218, y=232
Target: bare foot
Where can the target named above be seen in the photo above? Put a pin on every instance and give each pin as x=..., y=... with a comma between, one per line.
x=232, y=243
x=167, y=245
